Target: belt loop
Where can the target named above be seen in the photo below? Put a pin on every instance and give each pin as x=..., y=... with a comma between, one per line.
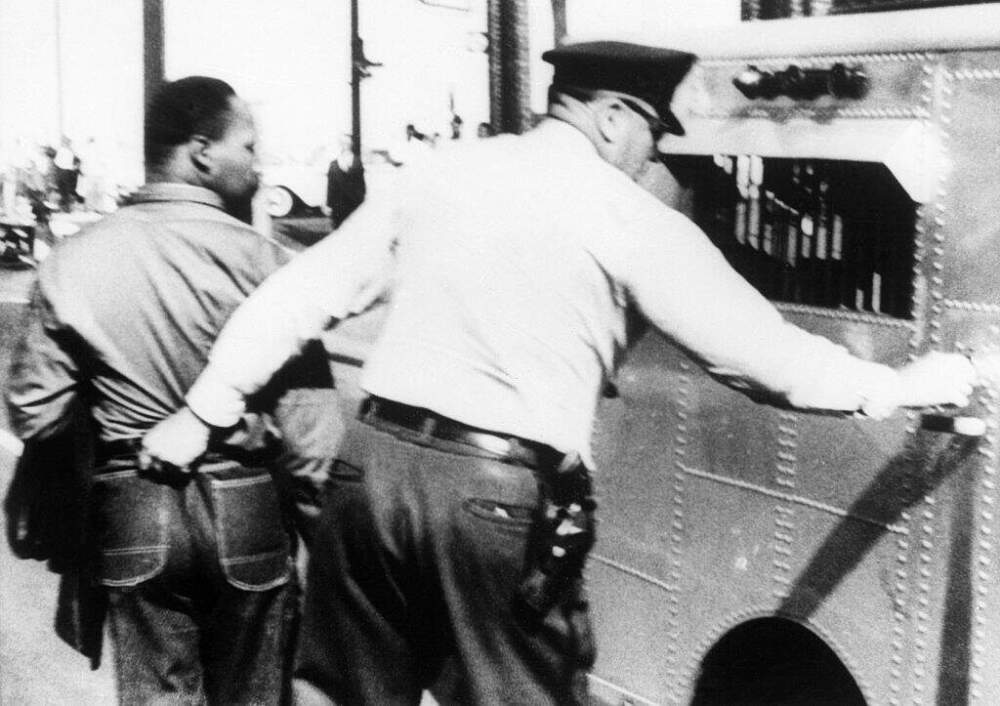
x=427, y=426
x=369, y=408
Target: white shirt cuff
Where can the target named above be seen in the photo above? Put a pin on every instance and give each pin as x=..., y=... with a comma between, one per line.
x=215, y=403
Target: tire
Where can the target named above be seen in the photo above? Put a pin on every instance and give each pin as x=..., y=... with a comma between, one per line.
x=280, y=201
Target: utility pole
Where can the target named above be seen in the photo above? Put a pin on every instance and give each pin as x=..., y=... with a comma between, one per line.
x=558, y=21
x=152, y=47
x=345, y=186
x=510, y=105
x=360, y=66
x=60, y=88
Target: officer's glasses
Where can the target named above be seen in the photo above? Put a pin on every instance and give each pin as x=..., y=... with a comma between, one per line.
x=657, y=127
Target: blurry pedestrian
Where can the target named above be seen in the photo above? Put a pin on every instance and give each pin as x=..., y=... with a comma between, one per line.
x=456, y=126
x=93, y=184
x=345, y=184
x=67, y=174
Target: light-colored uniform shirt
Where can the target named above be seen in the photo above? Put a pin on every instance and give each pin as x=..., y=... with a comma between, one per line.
x=511, y=263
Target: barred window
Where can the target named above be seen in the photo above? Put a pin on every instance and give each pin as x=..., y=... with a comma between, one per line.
x=816, y=232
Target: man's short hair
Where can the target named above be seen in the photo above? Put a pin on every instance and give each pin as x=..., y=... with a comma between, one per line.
x=179, y=110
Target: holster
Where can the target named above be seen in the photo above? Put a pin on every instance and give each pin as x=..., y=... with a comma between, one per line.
x=561, y=536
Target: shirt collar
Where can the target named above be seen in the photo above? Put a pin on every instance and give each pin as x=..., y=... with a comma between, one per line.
x=164, y=191
x=560, y=135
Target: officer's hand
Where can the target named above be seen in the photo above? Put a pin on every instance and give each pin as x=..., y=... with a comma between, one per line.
x=176, y=441
x=937, y=379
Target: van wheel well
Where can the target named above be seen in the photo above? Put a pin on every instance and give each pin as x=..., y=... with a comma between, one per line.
x=774, y=661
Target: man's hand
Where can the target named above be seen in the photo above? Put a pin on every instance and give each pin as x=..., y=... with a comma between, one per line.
x=937, y=379
x=176, y=441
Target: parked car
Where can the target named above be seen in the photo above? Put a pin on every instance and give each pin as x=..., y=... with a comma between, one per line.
x=295, y=187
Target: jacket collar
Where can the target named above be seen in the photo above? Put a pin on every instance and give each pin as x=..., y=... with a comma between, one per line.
x=164, y=191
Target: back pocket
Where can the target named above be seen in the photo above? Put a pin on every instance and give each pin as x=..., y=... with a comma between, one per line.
x=131, y=527
x=254, y=546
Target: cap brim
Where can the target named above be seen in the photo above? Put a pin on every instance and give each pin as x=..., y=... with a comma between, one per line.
x=674, y=126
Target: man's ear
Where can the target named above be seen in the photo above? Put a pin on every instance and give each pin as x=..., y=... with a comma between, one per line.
x=612, y=118
x=199, y=149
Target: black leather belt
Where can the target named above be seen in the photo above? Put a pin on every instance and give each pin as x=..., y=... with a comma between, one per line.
x=428, y=425
x=130, y=448
x=119, y=448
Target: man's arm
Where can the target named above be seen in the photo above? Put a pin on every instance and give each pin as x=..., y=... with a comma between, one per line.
x=683, y=284
x=43, y=381
x=339, y=276
x=305, y=408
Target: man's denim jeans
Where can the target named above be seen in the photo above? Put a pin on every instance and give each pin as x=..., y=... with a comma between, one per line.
x=202, y=590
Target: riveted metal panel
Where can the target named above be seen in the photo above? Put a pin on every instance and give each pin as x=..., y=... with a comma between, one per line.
x=880, y=537
x=968, y=230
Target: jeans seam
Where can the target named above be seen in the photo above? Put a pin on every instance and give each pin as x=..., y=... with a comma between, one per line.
x=136, y=580
x=122, y=551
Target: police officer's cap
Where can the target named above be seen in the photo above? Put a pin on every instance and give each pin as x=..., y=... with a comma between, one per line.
x=648, y=73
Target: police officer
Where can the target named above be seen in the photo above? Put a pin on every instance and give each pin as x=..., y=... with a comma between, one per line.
x=512, y=262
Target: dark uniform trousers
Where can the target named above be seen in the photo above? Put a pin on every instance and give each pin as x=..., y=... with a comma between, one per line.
x=202, y=589
x=412, y=582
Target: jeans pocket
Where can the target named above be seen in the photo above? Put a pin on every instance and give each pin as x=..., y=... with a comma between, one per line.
x=254, y=545
x=502, y=516
x=130, y=526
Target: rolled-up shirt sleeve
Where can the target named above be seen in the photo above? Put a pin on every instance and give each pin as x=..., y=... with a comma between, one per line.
x=43, y=380
x=685, y=287
x=339, y=276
